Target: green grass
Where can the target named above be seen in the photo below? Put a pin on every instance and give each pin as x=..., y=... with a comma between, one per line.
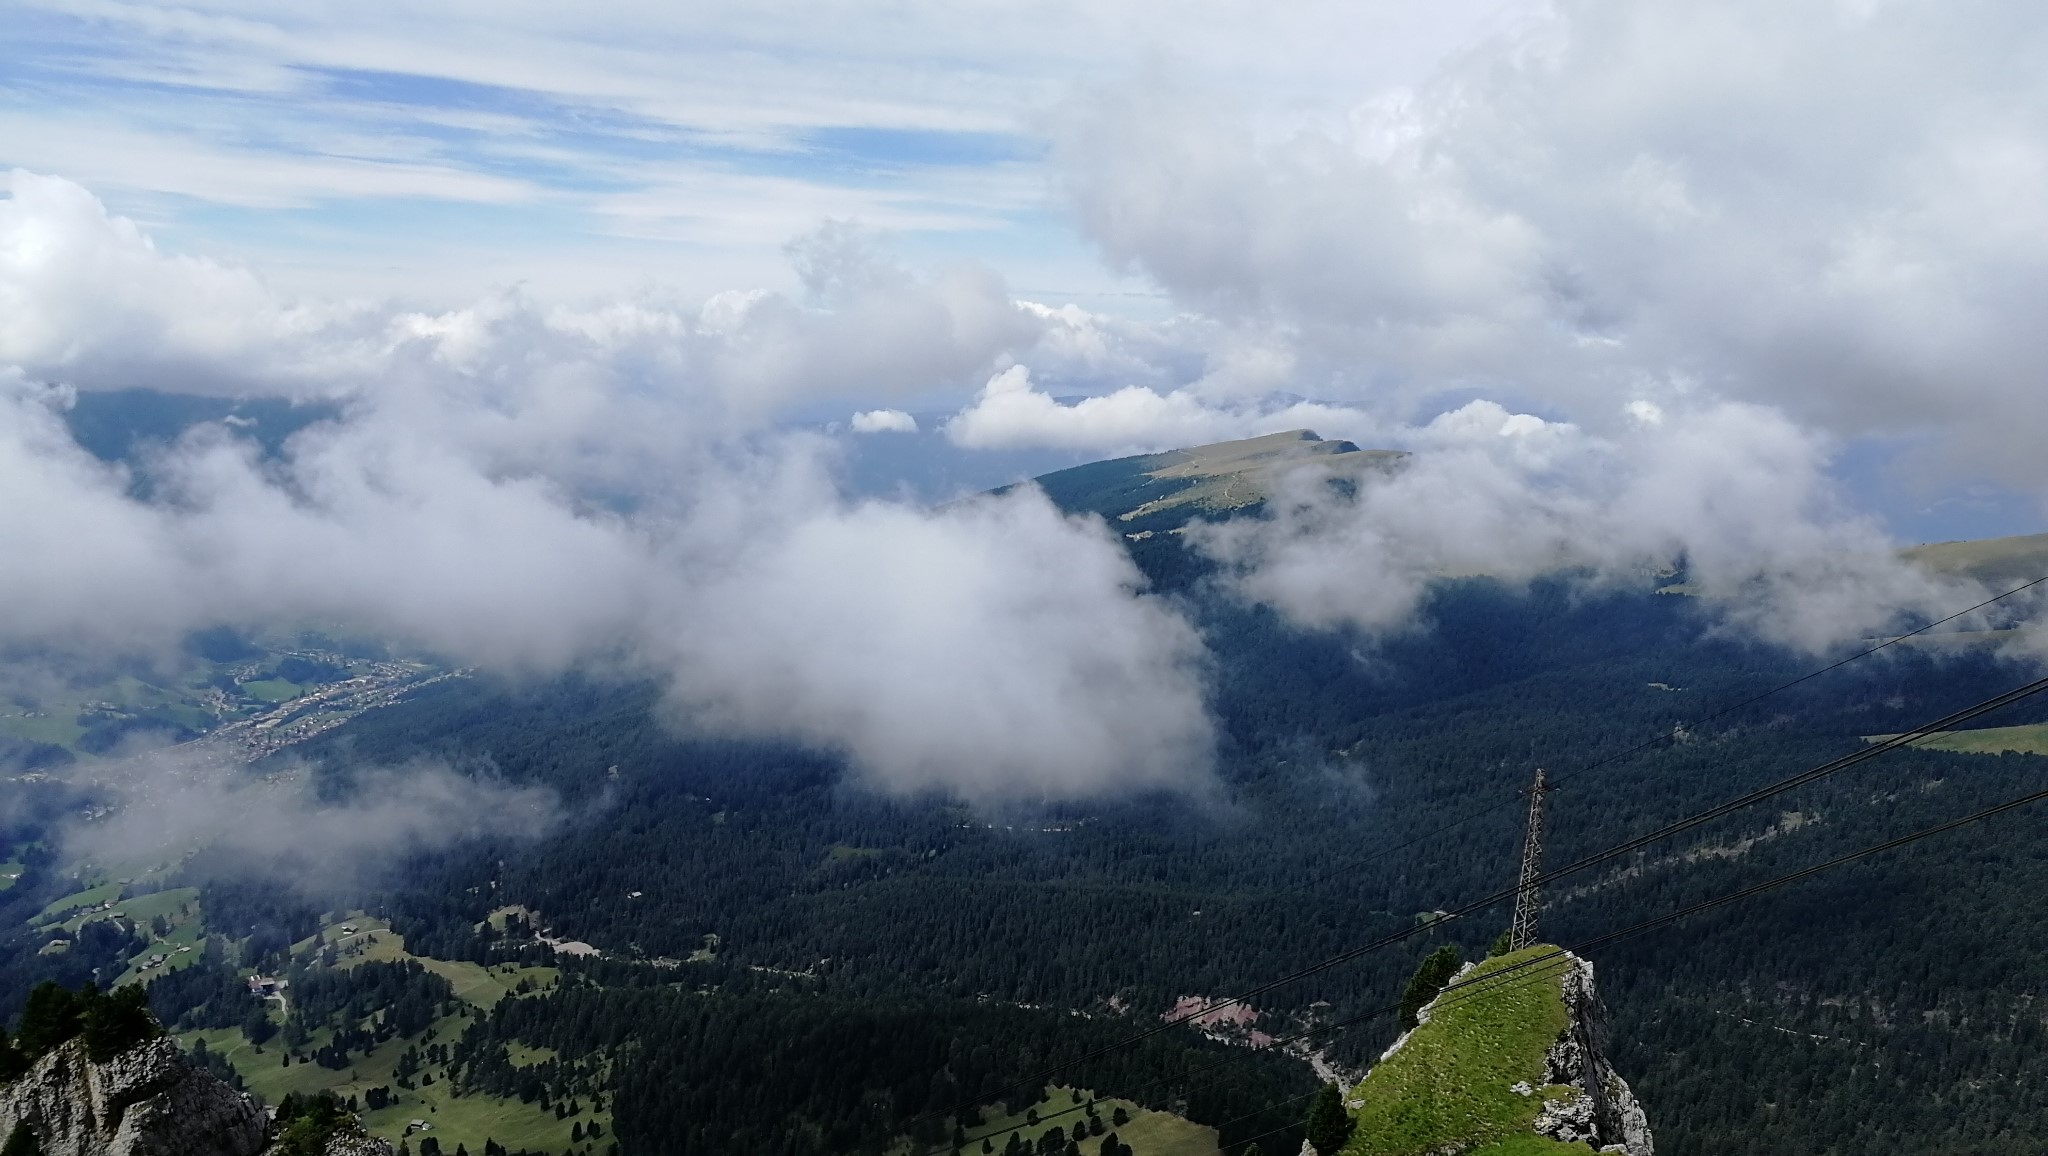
x=474, y=983
x=1997, y=562
x=1149, y=1133
x=89, y=897
x=1449, y=1085
x=1530, y=1144
x=58, y=727
x=465, y=1120
x=2026, y=740
x=186, y=931
x=272, y=690
x=10, y=872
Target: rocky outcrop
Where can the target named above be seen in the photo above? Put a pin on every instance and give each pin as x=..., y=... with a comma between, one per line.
x=1603, y=1112
x=355, y=1143
x=147, y=1101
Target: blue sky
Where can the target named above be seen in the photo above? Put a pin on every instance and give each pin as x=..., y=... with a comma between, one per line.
x=1573, y=208
x=448, y=148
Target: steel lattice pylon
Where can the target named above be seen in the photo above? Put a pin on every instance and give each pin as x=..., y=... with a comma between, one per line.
x=1522, y=932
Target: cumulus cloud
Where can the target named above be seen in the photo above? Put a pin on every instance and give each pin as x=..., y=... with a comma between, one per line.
x=1733, y=497
x=1010, y=413
x=87, y=298
x=995, y=648
x=533, y=489
x=884, y=421
x=992, y=646
x=1828, y=208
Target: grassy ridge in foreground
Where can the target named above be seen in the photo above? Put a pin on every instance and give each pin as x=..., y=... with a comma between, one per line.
x=1451, y=1084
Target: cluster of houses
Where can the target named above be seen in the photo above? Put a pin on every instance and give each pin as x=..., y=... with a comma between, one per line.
x=158, y=959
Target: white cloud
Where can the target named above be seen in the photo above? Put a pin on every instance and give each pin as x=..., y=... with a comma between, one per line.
x=884, y=421
x=1010, y=413
x=173, y=801
x=530, y=489
x=89, y=299
x=1735, y=493
x=994, y=648
x=1830, y=209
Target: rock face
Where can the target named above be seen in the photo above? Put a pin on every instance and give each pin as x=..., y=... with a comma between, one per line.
x=146, y=1101
x=1605, y=1113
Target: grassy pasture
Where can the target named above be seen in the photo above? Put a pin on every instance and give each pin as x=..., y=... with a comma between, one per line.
x=2031, y=739
x=464, y=1120
x=474, y=983
x=456, y=1120
x=1149, y=1133
x=272, y=690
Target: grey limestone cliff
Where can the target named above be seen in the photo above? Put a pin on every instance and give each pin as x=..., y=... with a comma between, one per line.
x=147, y=1101
x=1605, y=1113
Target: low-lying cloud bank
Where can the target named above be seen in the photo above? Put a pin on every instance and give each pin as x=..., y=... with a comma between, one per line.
x=992, y=647
x=1735, y=494
x=177, y=801
x=533, y=489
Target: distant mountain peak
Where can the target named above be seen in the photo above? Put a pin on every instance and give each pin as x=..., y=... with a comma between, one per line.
x=1150, y=493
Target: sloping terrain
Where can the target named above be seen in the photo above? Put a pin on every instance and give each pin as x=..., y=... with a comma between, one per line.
x=1162, y=492
x=2000, y=563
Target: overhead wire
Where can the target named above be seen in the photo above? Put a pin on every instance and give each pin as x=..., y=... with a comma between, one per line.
x=1608, y=760
x=1803, y=778
x=1537, y=968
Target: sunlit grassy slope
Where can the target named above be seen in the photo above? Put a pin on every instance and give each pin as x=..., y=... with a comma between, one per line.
x=1148, y=1133
x=1450, y=1087
x=2031, y=739
x=466, y=1120
x=1159, y=492
x=1997, y=562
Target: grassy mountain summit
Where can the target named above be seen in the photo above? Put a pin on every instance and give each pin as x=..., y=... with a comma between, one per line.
x=1996, y=562
x=1504, y=1062
x=1162, y=492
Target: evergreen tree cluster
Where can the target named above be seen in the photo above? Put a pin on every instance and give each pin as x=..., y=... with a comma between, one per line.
x=692, y=1072
x=1438, y=968
x=110, y=1022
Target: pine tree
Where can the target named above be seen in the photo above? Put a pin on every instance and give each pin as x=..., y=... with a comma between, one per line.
x=51, y=1016
x=1437, y=969
x=116, y=1022
x=1329, y=1125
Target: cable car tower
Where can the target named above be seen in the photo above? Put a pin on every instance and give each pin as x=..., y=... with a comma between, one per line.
x=1522, y=932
